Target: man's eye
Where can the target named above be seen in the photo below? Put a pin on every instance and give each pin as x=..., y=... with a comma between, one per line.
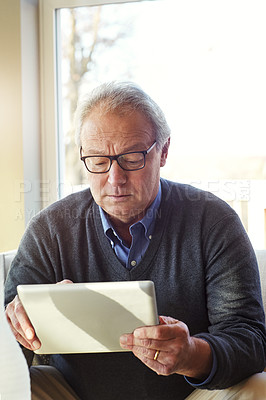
x=100, y=161
x=133, y=161
x=133, y=158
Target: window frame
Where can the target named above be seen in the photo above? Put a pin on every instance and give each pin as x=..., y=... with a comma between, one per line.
x=50, y=118
x=50, y=112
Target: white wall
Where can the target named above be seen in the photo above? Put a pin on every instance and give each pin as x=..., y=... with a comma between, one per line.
x=30, y=70
x=11, y=161
x=19, y=117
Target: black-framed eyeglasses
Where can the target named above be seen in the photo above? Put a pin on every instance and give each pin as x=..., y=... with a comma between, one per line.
x=131, y=161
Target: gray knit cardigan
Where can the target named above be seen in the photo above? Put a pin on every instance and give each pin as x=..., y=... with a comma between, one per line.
x=205, y=274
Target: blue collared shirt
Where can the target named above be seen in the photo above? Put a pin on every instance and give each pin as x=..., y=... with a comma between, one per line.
x=141, y=233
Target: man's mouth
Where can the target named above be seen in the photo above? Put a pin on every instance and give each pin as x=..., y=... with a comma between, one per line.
x=118, y=197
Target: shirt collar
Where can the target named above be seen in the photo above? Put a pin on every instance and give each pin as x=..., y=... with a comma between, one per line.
x=147, y=221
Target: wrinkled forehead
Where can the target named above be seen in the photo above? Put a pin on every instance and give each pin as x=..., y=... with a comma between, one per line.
x=115, y=126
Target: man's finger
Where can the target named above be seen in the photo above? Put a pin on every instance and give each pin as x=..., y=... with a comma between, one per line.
x=21, y=325
x=64, y=281
x=160, y=332
x=132, y=343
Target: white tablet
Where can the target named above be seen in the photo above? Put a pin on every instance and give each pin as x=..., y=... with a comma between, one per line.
x=87, y=317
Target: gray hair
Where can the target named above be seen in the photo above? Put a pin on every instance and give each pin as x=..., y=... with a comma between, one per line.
x=122, y=98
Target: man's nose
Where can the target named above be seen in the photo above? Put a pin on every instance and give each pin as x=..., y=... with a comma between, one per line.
x=116, y=175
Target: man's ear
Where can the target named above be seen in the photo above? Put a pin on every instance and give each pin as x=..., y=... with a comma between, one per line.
x=164, y=153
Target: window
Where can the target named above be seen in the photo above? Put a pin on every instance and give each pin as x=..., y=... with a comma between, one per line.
x=203, y=62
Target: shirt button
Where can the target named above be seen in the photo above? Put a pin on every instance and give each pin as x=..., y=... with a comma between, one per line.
x=133, y=263
x=150, y=237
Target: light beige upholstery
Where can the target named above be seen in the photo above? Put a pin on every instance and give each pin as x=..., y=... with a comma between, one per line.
x=261, y=257
x=5, y=261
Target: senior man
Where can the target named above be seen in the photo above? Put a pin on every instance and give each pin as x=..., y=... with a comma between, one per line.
x=132, y=225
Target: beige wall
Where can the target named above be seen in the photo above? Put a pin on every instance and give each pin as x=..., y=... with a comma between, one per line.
x=11, y=151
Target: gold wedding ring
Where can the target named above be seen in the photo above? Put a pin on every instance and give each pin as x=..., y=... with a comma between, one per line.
x=156, y=355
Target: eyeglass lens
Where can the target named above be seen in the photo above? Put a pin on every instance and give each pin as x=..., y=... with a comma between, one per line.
x=129, y=162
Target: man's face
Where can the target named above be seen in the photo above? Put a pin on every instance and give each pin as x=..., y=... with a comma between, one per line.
x=124, y=195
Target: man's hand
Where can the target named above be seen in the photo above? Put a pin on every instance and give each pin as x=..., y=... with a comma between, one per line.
x=21, y=325
x=178, y=351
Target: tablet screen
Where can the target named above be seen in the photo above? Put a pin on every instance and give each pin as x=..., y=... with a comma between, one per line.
x=87, y=317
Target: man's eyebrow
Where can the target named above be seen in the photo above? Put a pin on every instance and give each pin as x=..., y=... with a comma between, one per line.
x=96, y=152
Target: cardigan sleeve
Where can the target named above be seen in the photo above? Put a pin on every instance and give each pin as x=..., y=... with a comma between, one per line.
x=237, y=322
x=34, y=260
